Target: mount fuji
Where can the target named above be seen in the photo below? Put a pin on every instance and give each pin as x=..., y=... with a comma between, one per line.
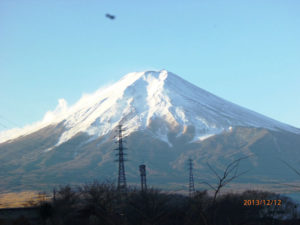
x=166, y=120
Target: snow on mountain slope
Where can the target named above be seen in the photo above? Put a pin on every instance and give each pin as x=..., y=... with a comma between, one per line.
x=139, y=100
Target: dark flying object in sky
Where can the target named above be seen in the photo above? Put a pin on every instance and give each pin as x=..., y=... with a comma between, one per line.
x=110, y=16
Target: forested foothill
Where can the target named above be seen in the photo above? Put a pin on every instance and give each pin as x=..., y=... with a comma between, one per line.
x=101, y=203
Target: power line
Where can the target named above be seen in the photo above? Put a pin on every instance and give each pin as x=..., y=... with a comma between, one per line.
x=3, y=125
x=11, y=122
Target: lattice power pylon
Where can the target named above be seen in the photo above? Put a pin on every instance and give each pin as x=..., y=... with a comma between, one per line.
x=191, y=178
x=143, y=177
x=121, y=176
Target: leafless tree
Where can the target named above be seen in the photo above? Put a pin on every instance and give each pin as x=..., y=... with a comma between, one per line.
x=230, y=173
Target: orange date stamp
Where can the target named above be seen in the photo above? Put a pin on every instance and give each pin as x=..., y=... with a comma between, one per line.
x=260, y=202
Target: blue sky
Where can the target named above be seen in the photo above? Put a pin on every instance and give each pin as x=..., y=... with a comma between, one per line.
x=247, y=52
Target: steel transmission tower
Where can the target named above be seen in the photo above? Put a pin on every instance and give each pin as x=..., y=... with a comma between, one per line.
x=121, y=177
x=191, y=178
x=143, y=177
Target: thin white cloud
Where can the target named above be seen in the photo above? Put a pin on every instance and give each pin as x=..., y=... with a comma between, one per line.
x=55, y=116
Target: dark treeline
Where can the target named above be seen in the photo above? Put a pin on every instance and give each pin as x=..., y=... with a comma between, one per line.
x=101, y=204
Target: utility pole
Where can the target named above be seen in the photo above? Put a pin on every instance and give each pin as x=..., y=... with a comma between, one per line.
x=54, y=194
x=143, y=177
x=121, y=176
x=191, y=178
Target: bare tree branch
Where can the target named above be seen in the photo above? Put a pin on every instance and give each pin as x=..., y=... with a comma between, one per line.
x=212, y=187
x=213, y=170
x=236, y=176
x=230, y=173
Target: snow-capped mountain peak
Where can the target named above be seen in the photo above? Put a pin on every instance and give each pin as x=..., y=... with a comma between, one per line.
x=140, y=101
